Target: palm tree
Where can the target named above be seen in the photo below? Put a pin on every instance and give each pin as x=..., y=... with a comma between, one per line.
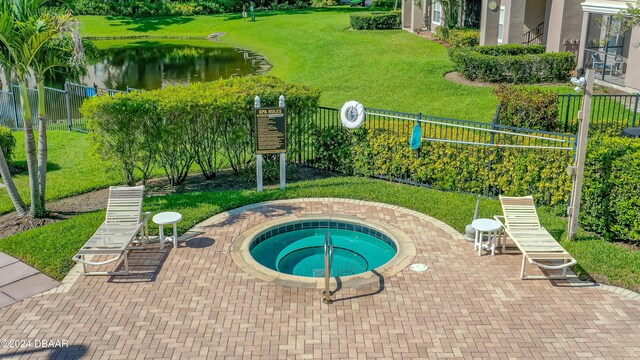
x=32, y=44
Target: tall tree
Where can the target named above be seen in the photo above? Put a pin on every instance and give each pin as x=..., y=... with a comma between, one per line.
x=33, y=43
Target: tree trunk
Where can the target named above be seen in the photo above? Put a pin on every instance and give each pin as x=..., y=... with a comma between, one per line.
x=21, y=208
x=42, y=146
x=30, y=147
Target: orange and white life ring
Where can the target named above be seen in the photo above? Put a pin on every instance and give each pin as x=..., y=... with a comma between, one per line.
x=352, y=115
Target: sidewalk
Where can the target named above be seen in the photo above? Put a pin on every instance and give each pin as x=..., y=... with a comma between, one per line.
x=19, y=281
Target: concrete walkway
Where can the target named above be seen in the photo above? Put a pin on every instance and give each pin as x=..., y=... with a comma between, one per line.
x=19, y=281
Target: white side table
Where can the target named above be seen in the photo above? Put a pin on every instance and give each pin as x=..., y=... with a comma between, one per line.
x=493, y=230
x=168, y=218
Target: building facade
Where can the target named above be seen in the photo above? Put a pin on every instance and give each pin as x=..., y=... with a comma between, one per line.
x=587, y=28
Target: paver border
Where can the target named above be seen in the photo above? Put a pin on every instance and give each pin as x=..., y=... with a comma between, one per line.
x=201, y=227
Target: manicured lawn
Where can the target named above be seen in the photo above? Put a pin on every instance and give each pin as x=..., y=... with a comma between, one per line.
x=619, y=266
x=72, y=169
x=384, y=69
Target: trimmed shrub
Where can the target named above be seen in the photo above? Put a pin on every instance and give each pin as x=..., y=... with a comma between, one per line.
x=146, y=8
x=457, y=37
x=377, y=20
x=532, y=108
x=625, y=198
x=332, y=147
x=609, y=166
x=385, y=4
x=210, y=124
x=512, y=63
x=324, y=3
x=7, y=143
x=464, y=37
x=464, y=168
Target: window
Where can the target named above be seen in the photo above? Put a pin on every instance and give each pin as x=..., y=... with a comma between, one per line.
x=437, y=12
x=501, y=25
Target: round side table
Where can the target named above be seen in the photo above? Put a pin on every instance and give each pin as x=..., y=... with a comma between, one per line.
x=492, y=228
x=168, y=218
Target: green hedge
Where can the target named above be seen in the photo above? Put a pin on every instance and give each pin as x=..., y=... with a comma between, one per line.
x=380, y=152
x=209, y=124
x=386, y=4
x=377, y=20
x=512, y=63
x=145, y=8
x=464, y=37
x=7, y=143
x=528, y=107
x=458, y=37
x=609, y=202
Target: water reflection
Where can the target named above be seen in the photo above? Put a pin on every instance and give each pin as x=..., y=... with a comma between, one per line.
x=148, y=65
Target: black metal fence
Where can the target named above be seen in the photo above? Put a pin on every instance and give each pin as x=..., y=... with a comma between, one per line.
x=610, y=113
x=489, y=151
x=62, y=106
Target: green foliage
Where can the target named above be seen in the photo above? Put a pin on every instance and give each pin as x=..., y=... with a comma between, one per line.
x=464, y=37
x=514, y=64
x=528, y=107
x=625, y=197
x=323, y=3
x=608, y=200
x=332, y=148
x=458, y=37
x=441, y=33
x=465, y=168
x=7, y=143
x=151, y=8
x=210, y=124
x=385, y=4
x=376, y=20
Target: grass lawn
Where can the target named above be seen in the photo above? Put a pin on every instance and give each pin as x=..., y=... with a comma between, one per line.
x=390, y=69
x=71, y=171
x=603, y=260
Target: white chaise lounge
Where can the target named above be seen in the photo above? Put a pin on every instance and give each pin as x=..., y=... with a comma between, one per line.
x=119, y=233
x=522, y=225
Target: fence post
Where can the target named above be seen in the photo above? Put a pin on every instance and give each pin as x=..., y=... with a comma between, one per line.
x=635, y=111
x=496, y=121
x=566, y=116
x=67, y=95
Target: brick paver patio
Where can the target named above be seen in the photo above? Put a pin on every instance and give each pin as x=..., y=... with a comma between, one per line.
x=200, y=305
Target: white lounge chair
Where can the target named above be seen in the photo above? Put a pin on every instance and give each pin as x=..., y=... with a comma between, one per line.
x=117, y=235
x=522, y=225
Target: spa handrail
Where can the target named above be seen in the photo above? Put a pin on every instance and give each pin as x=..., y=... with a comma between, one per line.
x=328, y=262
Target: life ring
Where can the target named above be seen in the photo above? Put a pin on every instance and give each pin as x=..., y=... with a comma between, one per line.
x=352, y=114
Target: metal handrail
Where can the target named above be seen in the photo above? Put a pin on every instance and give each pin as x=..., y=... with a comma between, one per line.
x=328, y=262
x=534, y=34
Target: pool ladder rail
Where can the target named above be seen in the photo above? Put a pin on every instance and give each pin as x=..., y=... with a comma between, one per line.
x=328, y=262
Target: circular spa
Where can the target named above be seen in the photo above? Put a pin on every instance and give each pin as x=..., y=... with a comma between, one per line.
x=299, y=248
x=291, y=250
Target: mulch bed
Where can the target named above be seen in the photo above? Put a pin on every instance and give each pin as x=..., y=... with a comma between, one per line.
x=11, y=223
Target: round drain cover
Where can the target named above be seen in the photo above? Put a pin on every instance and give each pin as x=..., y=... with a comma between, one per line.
x=419, y=267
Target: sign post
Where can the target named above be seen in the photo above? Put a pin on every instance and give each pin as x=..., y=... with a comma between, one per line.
x=271, y=137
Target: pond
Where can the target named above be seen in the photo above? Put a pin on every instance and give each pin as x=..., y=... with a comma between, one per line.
x=149, y=65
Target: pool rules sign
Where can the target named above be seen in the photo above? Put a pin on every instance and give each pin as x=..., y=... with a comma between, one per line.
x=271, y=131
x=271, y=137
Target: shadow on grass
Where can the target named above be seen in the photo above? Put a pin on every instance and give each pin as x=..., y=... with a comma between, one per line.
x=20, y=167
x=149, y=23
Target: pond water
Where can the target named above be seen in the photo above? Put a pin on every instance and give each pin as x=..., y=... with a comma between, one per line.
x=149, y=65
